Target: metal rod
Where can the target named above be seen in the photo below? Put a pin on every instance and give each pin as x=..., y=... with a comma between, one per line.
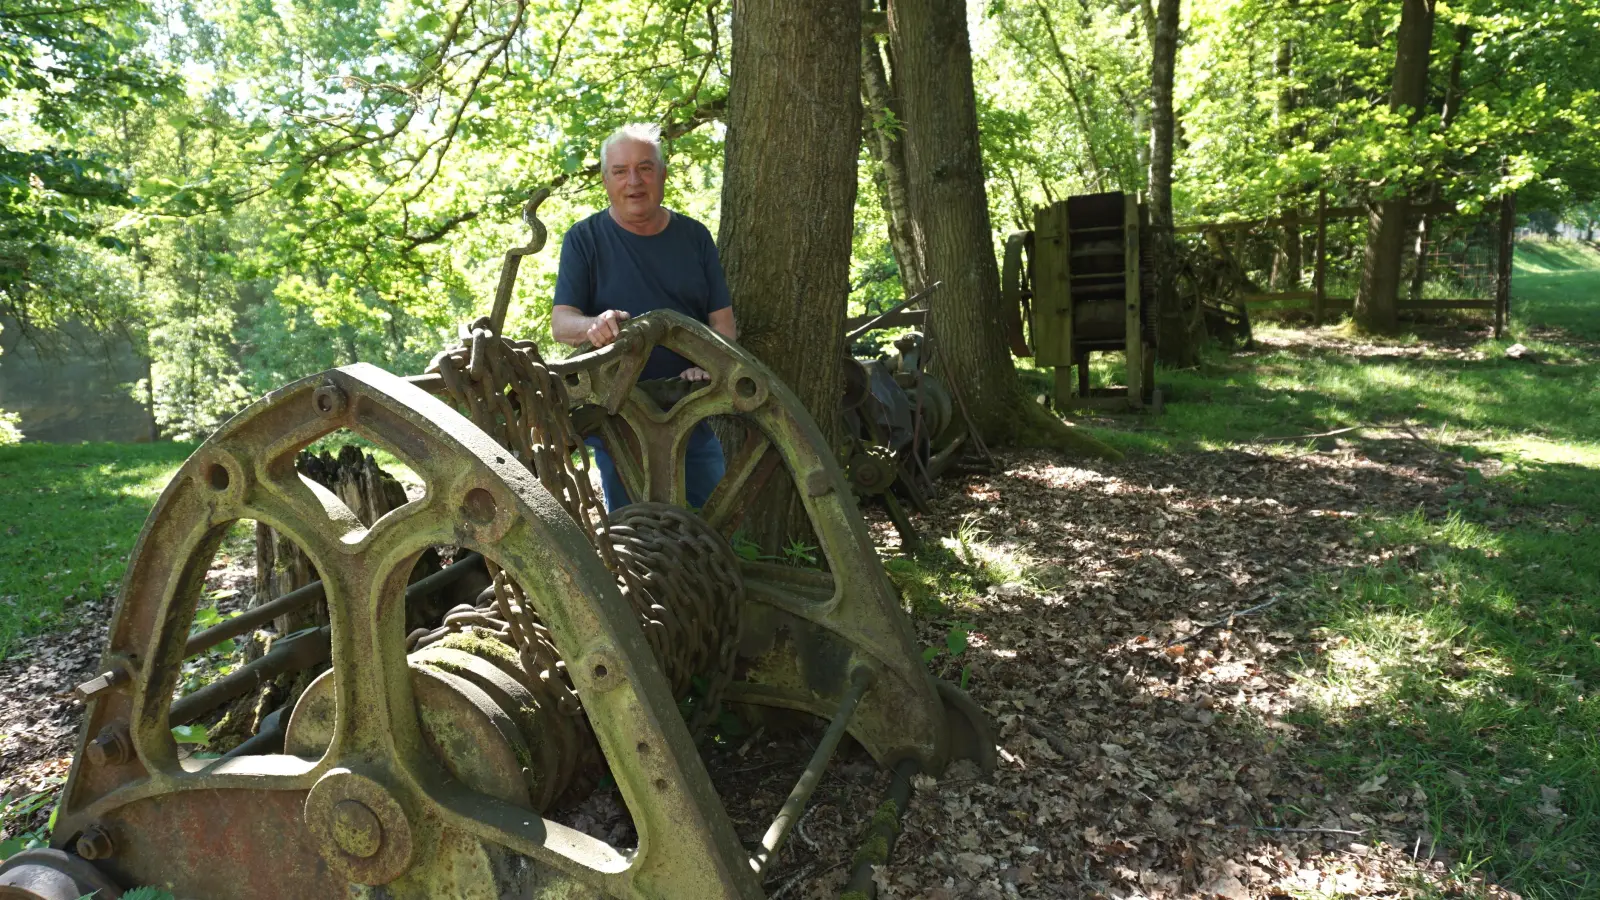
x=871, y=323
x=300, y=650
x=445, y=577
x=877, y=845
x=268, y=739
x=432, y=382
x=860, y=680
x=250, y=619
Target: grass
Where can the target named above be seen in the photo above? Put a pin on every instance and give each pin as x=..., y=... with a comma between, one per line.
x=69, y=515
x=1280, y=393
x=1472, y=673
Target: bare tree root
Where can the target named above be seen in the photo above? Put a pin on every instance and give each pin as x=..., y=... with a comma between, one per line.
x=1038, y=428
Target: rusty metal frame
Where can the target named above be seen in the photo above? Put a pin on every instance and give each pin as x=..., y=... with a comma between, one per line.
x=378, y=808
x=172, y=820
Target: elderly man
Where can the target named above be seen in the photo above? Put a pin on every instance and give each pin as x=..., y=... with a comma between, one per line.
x=633, y=257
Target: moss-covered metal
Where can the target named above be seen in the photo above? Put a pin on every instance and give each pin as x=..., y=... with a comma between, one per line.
x=393, y=802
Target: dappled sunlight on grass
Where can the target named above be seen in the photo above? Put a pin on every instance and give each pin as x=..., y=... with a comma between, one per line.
x=1474, y=673
x=69, y=515
x=1532, y=448
x=1316, y=380
x=997, y=562
x=1461, y=662
x=1557, y=286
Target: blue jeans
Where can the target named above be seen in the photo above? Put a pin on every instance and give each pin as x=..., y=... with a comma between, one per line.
x=703, y=467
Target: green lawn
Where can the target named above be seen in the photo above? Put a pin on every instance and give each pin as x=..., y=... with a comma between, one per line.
x=1446, y=393
x=69, y=515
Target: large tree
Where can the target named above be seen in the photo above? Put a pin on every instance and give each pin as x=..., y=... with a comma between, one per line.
x=950, y=203
x=60, y=66
x=1179, y=328
x=788, y=201
x=1378, y=297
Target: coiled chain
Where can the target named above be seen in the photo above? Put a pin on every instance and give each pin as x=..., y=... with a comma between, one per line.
x=680, y=576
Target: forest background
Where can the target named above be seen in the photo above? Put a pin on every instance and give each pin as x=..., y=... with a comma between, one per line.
x=251, y=191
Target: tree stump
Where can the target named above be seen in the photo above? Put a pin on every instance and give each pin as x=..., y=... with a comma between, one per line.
x=357, y=480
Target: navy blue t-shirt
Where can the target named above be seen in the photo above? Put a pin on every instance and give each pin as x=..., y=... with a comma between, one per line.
x=605, y=266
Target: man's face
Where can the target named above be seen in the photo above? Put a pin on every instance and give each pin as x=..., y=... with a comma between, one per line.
x=634, y=180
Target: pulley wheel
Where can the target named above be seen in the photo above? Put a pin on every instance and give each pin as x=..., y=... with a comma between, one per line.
x=53, y=875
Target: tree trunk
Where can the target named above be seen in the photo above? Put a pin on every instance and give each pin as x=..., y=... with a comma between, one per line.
x=884, y=142
x=1452, y=101
x=1177, y=343
x=1378, y=297
x=1286, y=258
x=948, y=197
x=788, y=207
x=949, y=200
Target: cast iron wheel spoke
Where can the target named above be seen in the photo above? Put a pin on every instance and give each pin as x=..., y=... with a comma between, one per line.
x=663, y=463
x=295, y=505
x=749, y=468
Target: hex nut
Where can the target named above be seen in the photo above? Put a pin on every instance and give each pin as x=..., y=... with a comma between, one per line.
x=95, y=843
x=112, y=746
x=329, y=400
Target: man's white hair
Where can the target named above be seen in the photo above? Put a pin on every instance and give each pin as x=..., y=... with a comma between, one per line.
x=643, y=132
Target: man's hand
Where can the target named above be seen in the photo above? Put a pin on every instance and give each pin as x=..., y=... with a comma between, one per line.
x=695, y=374
x=604, y=328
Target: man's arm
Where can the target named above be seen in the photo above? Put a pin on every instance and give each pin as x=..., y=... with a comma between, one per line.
x=722, y=323
x=570, y=326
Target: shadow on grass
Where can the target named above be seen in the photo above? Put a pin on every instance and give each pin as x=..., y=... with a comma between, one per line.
x=69, y=515
x=1471, y=672
x=1287, y=393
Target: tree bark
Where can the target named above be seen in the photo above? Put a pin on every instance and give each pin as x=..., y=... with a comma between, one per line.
x=1177, y=343
x=788, y=207
x=948, y=197
x=1286, y=258
x=885, y=125
x=1378, y=298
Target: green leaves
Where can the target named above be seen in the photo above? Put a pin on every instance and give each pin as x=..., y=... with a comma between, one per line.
x=17, y=813
x=191, y=734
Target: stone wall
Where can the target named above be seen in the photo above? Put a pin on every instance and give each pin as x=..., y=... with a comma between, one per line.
x=78, y=388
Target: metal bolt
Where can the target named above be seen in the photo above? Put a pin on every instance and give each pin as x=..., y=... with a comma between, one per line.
x=115, y=676
x=95, y=843
x=112, y=746
x=329, y=399
x=356, y=829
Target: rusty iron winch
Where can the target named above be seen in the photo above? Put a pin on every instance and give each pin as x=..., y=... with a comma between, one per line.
x=427, y=764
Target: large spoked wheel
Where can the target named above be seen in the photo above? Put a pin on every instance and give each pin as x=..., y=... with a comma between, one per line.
x=377, y=808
